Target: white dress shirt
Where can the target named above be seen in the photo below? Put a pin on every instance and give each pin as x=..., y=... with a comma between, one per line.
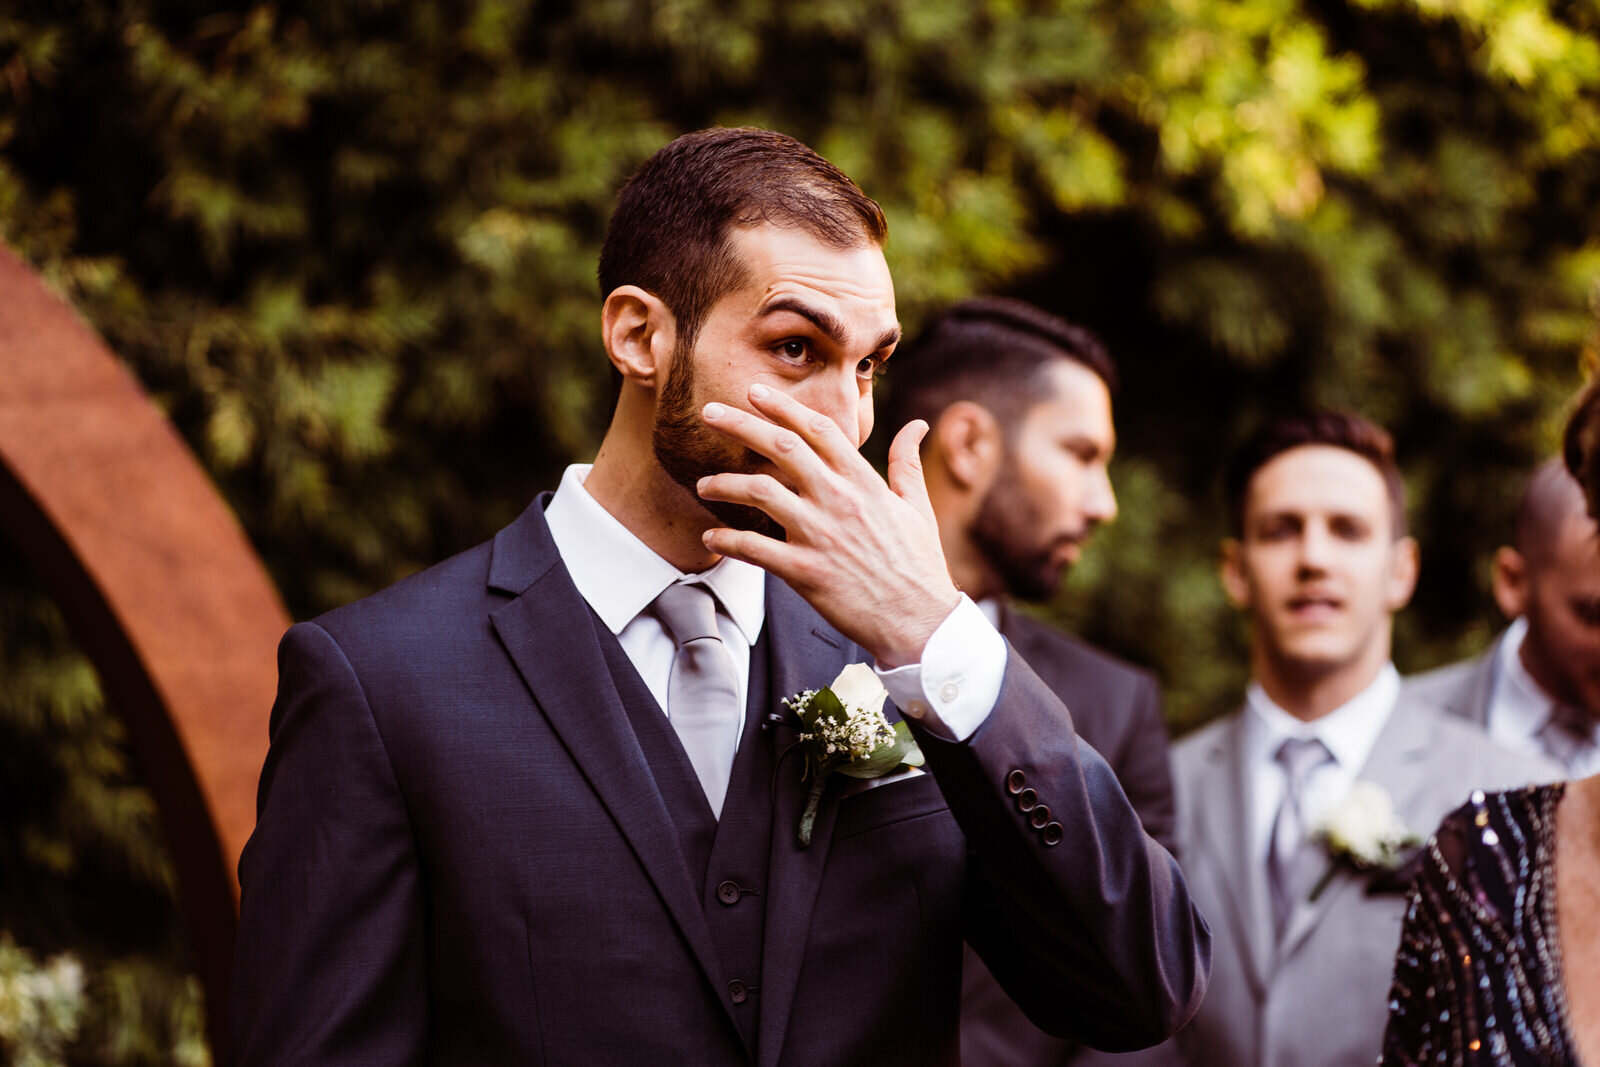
x=1520, y=710
x=1349, y=732
x=952, y=690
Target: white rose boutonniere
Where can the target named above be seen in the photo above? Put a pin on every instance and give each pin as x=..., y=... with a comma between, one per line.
x=1364, y=833
x=846, y=731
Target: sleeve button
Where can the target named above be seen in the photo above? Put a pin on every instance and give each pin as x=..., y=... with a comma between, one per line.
x=1027, y=800
x=1051, y=834
x=949, y=691
x=1040, y=816
x=1015, y=781
x=916, y=709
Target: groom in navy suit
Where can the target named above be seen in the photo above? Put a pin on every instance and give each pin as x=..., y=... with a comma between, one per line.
x=498, y=823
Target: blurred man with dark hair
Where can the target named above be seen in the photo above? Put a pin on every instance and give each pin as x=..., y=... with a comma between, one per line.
x=1320, y=561
x=540, y=802
x=1537, y=688
x=1019, y=405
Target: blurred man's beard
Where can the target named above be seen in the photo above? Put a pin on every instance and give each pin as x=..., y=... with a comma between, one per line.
x=689, y=450
x=1007, y=520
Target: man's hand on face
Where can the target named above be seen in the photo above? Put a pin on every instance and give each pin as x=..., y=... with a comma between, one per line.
x=863, y=552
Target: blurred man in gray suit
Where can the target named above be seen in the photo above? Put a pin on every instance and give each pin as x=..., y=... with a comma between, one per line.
x=1320, y=561
x=1019, y=402
x=1537, y=688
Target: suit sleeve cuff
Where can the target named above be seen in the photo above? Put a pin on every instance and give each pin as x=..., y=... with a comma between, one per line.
x=954, y=688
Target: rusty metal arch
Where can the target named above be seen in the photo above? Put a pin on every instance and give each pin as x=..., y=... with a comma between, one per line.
x=161, y=587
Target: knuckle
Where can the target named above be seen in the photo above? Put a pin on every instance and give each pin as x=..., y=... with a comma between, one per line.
x=787, y=441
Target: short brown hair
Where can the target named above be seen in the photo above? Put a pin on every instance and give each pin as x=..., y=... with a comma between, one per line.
x=993, y=350
x=669, y=232
x=1338, y=429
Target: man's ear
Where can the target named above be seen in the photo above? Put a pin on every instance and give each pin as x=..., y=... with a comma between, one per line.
x=968, y=439
x=1230, y=567
x=639, y=334
x=1510, y=582
x=1405, y=562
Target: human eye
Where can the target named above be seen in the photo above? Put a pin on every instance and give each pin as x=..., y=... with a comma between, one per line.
x=795, y=350
x=1587, y=611
x=1349, y=528
x=1276, y=528
x=870, y=366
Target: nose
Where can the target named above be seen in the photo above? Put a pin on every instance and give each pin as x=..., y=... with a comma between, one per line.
x=1100, y=504
x=1314, y=545
x=844, y=397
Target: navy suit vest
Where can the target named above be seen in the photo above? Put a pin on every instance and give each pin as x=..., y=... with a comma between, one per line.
x=727, y=860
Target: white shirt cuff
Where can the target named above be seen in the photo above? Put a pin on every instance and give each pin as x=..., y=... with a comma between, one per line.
x=955, y=686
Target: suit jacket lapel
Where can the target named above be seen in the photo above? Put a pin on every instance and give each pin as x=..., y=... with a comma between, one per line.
x=547, y=630
x=1223, y=817
x=806, y=654
x=1395, y=764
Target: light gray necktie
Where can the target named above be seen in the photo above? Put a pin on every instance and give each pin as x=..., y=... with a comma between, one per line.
x=1293, y=863
x=703, y=691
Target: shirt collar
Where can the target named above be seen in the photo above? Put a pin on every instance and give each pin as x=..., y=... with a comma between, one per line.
x=1520, y=700
x=619, y=575
x=1349, y=731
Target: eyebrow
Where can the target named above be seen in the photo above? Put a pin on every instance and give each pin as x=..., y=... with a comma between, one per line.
x=831, y=326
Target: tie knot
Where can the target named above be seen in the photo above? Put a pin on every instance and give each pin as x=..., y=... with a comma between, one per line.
x=1572, y=721
x=689, y=612
x=1299, y=756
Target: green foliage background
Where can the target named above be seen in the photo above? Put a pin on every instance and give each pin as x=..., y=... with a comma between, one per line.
x=349, y=246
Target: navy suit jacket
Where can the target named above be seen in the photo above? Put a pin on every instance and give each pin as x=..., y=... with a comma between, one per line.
x=1116, y=708
x=462, y=857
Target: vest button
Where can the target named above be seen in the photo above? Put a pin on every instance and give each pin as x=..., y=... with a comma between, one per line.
x=738, y=991
x=728, y=892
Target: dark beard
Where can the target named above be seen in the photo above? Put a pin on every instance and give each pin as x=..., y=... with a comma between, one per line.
x=689, y=450
x=1005, y=518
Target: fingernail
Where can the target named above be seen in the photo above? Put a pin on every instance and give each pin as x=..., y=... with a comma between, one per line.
x=759, y=392
x=714, y=410
x=700, y=486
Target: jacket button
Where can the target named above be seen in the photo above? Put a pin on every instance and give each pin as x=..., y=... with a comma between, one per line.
x=728, y=892
x=1051, y=834
x=1027, y=800
x=1015, y=781
x=1040, y=816
x=738, y=991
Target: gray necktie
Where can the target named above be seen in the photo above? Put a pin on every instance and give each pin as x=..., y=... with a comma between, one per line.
x=703, y=691
x=1293, y=863
x=1568, y=737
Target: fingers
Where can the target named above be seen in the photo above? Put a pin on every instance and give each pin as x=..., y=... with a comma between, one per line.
x=761, y=491
x=769, y=554
x=800, y=441
x=905, y=467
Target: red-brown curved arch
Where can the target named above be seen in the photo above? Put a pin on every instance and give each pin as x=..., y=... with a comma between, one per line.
x=159, y=584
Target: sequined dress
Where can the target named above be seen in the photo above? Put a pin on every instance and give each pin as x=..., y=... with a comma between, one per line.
x=1478, y=976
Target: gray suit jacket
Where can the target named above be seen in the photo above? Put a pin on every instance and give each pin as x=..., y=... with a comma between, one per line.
x=1462, y=689
x=1116, y=708
x=1320, y=998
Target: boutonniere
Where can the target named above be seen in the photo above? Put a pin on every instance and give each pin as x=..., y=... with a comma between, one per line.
x=846, y=732
x=1363, y=833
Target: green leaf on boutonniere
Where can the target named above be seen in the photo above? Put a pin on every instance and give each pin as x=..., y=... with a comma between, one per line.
x=849, y=734
x=886, y=759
